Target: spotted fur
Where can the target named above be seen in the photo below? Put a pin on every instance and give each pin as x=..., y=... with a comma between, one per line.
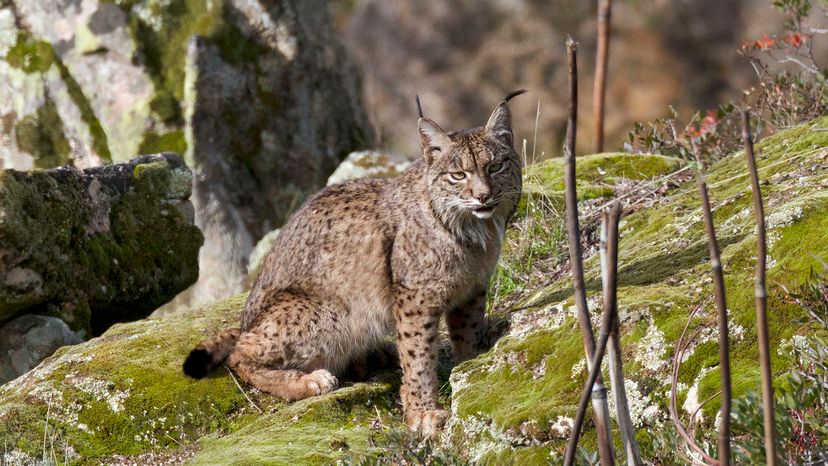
x=363, y=259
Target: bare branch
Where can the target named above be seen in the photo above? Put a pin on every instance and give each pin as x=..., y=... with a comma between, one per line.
x=599, y=93
x=721, y=307
x=761, y=298
x=602, y=422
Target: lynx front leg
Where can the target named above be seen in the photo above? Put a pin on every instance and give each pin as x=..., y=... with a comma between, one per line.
x=467, y=325
x=417, y=324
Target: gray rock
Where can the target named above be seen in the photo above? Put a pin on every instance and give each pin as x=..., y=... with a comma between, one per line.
x=96, y=246
x=29, y=339
x=258, y=95
x=369, y=163
x=256, y=159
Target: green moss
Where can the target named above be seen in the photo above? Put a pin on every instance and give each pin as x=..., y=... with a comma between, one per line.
x=100, y=142
x=167, y=142
x=596, y=173
x=31, y=56
x=167, y=108
x=532, y=399
x=524, y=456
x=124, y=391
x=313, y=431
x=42, y=136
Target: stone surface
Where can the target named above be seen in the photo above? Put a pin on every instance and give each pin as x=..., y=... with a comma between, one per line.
x=123, y=393
x=257, y=95
x=29, y=339
x=368, y=163
x=99, y=245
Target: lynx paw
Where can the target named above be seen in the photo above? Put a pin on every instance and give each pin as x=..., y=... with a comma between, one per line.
x=427, y=423
x=321, y=382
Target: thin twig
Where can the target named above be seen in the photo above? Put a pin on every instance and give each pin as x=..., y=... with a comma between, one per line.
x=602, y=424
x=721, y=307
x=761, y=298
x=681, y=345
x=609, y=273
x=600, y=85
x=701, y=405
x=46, y=426
x=589, y=387
x=242, y=390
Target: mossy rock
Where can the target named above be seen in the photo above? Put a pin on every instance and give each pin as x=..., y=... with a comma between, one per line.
x=517, y=400
x=98, y=246
x=124, y=393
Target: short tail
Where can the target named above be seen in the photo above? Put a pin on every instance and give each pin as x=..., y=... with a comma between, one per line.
x=210, y=353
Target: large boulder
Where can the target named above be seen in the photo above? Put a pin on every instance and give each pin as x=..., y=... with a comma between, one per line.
x=96, y=246
x=258, y=95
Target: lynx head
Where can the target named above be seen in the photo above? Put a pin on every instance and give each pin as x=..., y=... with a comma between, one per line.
x=472, y=174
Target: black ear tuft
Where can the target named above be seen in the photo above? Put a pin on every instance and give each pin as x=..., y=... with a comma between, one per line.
x=197, y=364
x=514, y=94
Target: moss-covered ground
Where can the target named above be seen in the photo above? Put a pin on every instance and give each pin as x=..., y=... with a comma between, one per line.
x=124, y=393
x=504, y=411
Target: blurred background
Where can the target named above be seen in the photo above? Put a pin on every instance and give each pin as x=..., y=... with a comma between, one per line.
x=462, y=57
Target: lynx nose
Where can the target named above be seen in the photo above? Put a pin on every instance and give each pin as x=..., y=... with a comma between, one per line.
x=483, y=196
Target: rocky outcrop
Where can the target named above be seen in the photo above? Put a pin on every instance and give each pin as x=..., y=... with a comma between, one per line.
x=29, y=339
x=99, y=245
x=258, y=95
x=121, y=398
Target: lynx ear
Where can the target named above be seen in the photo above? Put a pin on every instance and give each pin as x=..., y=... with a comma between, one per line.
x=433, y=140
x=499, y=126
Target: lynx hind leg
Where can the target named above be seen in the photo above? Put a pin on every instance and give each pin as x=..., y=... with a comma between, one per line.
x=290, y=384
x=290, y=350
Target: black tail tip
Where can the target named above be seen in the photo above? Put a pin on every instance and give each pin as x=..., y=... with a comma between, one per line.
x=197, y=363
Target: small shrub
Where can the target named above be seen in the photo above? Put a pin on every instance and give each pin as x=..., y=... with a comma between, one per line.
x=791, y=89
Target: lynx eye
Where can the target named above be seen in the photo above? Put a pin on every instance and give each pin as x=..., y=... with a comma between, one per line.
x=457, y=176
x=495, y=167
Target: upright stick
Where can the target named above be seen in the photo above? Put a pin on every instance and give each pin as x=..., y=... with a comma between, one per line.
x=721, y=306
x=599, y=393
x=761, y=297
x=601, y=59
x=609, y=273
x=594, y=374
